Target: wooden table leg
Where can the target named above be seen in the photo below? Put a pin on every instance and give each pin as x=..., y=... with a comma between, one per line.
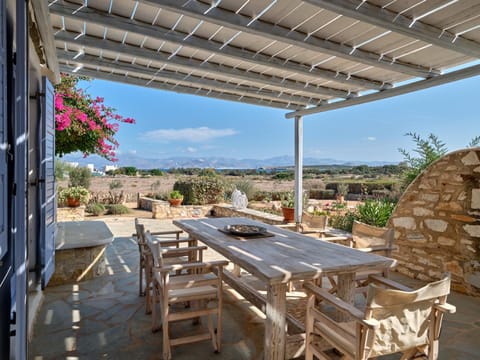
x=275, y=324
x=346, y=290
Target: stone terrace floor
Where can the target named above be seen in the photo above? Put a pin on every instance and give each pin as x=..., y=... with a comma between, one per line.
x=105, y=318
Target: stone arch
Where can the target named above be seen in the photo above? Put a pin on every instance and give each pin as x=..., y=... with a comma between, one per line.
x=437, y=222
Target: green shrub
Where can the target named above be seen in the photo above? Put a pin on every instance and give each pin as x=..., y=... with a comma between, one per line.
x=80, y=176
x=247, y=187
x=95, y=209
x=201, y=191
x=343, y=221
x=115, y=184
x=118, y=209
x=61, y=169
x=287, y=175
x=375, y=212
x=208, y=172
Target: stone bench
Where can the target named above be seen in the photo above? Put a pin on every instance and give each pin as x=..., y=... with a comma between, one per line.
x=80, y=248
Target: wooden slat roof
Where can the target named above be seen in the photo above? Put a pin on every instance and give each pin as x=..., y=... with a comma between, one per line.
x=306, y=56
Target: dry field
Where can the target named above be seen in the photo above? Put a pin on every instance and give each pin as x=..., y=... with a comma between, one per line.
x=164, y=184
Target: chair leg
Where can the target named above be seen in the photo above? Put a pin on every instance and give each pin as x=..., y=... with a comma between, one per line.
x=155, y=325
x=140, y=275
x=309, y=330
x=167, y=355
x=211, y=330
x=149, y=288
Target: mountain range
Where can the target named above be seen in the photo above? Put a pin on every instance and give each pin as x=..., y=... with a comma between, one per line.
x=213, y=162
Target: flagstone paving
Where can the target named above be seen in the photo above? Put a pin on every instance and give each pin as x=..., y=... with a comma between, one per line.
x=104, y=318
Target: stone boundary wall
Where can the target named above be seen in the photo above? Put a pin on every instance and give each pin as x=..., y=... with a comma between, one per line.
x=228, y=211
x=162, y=210
x=437, y=222
x=71, y=213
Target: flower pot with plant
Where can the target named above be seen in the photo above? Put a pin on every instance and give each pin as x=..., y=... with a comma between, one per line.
x=342, y=191
x=73, y=196
x=288, y=207
x=175, y=198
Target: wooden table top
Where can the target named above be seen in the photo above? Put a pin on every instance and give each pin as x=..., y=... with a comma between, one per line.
x=283, y=257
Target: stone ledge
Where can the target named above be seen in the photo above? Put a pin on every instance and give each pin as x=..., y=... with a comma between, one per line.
x=228, y=210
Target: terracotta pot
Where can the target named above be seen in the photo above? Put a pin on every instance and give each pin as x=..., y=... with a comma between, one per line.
x=175, y=202
x=340, y=199
x=288, y=214
x=73, y=202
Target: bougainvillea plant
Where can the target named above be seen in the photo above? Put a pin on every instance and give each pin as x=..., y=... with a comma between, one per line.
x=83, y=123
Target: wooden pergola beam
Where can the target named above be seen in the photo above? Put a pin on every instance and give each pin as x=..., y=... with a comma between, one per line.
x=385, y=94
x=375, y=15
x=183, y=79
x=181, y=89
x=189, y=64
x=242, y=55
x=44, y=25
x=228, y=19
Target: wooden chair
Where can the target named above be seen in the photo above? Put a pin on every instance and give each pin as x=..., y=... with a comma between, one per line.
x=202, y=285
x=139, y=236
x=394, y=321
x=180, y=255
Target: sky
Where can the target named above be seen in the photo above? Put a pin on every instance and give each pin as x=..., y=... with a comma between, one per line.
x=170, y=124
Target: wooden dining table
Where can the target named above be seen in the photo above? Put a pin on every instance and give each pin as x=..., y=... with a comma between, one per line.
x=278, y=257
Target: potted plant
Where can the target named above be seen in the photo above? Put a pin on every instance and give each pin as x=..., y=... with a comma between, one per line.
x=73, y=196
x=175, y=198
x=288, y=207
x=342, y=191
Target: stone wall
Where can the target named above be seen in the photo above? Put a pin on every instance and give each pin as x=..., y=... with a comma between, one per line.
x=74, y=265
x=437, y=222
x=71, y=213
x=162, y=210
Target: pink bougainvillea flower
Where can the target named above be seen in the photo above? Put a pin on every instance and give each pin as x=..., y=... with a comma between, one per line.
x=83, y=123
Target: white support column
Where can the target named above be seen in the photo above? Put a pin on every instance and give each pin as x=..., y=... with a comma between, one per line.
x=298, y=168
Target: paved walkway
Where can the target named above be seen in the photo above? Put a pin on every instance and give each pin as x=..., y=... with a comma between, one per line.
x=105, y=318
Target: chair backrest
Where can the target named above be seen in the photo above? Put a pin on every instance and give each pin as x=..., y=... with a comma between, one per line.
x=365, y=236
x=140, y=230
x=314, y=221
x=155, y=249
x=405, y=317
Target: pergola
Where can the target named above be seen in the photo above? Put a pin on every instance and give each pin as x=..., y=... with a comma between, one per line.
x=303, y=56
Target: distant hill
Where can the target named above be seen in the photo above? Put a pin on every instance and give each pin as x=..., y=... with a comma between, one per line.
x=214, y=162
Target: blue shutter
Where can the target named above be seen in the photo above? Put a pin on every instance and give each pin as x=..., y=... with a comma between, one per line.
x=47, y=184
x=3, y=134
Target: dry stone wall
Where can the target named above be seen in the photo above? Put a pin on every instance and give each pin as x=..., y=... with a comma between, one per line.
x=437, y=222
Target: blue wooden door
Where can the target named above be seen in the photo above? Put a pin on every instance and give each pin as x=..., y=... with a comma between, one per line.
x=3, y=135
x=47, y=184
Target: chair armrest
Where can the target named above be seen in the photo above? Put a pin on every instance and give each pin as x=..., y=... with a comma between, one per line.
x=182, y=250
x=172, y=241
x=335, y=238
x=169, y=232
x=388, y=283
x=311, y=231
x=341, y=305
x=446, y=308
x=194, y=265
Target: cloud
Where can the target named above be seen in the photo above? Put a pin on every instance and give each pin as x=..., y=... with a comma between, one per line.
x=191, y=149
x=199, y=134
x=371, y=138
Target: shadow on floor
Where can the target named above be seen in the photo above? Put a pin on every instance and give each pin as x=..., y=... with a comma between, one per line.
x=105, y=318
